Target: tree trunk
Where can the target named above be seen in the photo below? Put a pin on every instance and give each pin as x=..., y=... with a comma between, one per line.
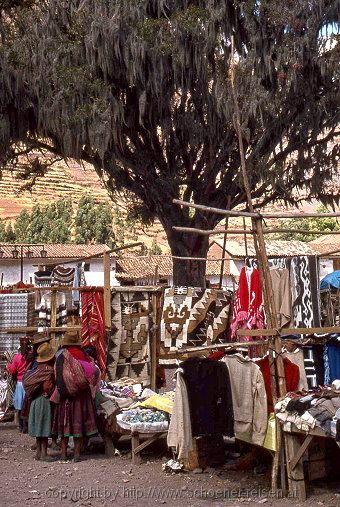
x=188, y=273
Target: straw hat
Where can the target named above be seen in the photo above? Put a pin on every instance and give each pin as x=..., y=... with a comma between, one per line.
x=45, y=352
x=40, y=338
x=71, y=339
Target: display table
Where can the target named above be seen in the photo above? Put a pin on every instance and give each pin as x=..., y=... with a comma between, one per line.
x=297, y=442
x=137, y=447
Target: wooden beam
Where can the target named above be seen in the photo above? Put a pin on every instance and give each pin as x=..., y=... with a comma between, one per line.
x=217, y=346
x=300, y=215
x=296, y=478
x=216, y=232
x=218, y=211
x=301, y=451
x=53, y=315
x=287, y=331
x=112, y=250
x=32, y=329
x=233, y=213
x=203, y=259
x=107, y=290
x=209, y=232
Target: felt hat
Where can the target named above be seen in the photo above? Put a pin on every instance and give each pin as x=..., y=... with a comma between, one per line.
x=71, y=339
x=45, y=352
x=40, y=338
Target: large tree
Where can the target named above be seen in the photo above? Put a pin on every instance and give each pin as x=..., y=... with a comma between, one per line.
x=141, y=90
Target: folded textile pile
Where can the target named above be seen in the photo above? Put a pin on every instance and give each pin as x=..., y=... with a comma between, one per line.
x=143, y=420
x=318, y=409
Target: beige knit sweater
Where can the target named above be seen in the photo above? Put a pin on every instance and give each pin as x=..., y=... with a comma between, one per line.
x=249, y=398
x=179, y=434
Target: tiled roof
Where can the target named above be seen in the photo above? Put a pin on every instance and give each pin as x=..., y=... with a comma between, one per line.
x=279, y=248
x=133, y=268
x=54, y=251
x=326, y=243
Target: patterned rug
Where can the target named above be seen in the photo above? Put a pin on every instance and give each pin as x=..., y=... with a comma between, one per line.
x=129, y=344
x=305, y=286
x=193, y=317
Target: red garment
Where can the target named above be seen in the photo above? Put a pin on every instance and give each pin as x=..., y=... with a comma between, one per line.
x=77, y=353
x=216, y=356
x=292, y=374
x=17, y=366
x=248, y=304
x=93, y=326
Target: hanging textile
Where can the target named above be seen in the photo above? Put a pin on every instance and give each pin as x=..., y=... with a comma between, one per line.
x=332, y=363
x=13, y=313
x=180, y=433
x=193, y=317
x=210, y=398
x=93, y=325
x=304, y=279
x=248, y=304
x=297, y=358
x=11, y=382
x=249, y=398
x=62, y=276
x=314, y=365
x=292, y=375
x=129, y=344
x=45, y=311
x=42, y=278
x=282, y=296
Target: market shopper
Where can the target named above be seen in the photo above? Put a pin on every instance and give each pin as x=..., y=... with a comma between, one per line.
x=39, y=384
x=37, y=340
x=17, y=369
x=76, y=379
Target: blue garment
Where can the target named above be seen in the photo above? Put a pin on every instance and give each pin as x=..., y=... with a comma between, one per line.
x=334, y=360
x=18, y=396
x=332, y=280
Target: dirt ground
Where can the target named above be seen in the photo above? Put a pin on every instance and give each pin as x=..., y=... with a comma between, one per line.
x=99, y=481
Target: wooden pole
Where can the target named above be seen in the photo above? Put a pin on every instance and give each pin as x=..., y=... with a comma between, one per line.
x=253, y=214
x=217, y=232
x=223, y=251
x=261, y=253
x=107, y=290
x=53, y=315
x=210, y=232
x=288, y=331
x=218, y=211
x=153, y=338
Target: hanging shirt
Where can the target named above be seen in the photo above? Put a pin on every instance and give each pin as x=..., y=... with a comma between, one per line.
x=210, y=398
x=297, y=357
x=292, y=375
x=249, y=398
x=282, y=296
x=248, y=303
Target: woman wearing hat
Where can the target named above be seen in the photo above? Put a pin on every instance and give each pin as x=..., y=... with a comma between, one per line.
x=75, y=413
x=39, y=384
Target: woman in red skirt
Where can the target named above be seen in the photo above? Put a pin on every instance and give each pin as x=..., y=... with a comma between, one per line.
x=76, y=379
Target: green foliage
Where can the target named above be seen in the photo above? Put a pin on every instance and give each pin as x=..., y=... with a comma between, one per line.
x=85, y=221
x=309, y=224
x=21, y=227
x=57, y=220
x=36, y=227
x=104, y=232
x=2, y=231
x=94, y=222
x=10, y=234
x=155, y=249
